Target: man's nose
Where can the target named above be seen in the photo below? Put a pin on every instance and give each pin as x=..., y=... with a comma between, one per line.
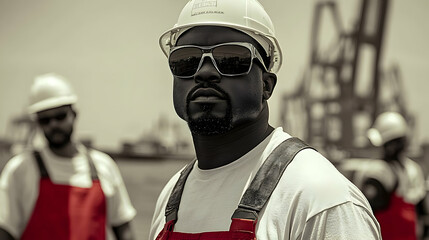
x=207, y=72
x=53, y=123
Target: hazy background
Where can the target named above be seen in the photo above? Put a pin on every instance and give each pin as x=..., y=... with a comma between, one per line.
x=109, y=51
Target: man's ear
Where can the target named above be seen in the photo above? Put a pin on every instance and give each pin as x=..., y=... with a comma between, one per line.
x=269, y=82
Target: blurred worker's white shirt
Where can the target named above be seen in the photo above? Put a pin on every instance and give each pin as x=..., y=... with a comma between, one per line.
x=312, y=200
x=411, y=181
x=19, y=186
x=407, y=176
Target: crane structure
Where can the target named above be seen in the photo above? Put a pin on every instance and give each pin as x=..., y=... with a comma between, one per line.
x=344, y=88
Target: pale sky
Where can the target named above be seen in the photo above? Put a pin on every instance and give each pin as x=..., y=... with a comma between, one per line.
x=109, y=52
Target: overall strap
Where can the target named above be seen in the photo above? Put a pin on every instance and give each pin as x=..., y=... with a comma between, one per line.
x=40, y=164
x=174, y=201
x=267, y=178
x=94, y=175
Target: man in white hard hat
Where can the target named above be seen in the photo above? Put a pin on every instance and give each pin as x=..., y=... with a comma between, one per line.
x=63, y=190
x=249, y=180
x=395, y=193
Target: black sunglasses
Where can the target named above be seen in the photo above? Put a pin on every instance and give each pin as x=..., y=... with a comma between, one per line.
x=229, y=59
x=47, y=120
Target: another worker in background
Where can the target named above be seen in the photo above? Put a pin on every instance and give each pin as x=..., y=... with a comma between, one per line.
x=399, y=184
x=63, y=190
x=249, y=180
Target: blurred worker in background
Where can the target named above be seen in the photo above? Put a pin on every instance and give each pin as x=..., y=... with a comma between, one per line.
x=63, y=190
x=224, y=56
x=399, y=185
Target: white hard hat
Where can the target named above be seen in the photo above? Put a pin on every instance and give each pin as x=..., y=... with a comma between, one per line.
x=387, y=126
x=50, y=91
x=248, y=16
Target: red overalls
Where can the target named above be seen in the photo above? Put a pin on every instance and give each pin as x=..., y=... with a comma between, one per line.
x=244, y=219
x=66, y=212
x=398, y=221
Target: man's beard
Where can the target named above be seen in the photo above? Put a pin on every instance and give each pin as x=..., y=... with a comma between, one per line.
x=59, y=143
x=207, y=124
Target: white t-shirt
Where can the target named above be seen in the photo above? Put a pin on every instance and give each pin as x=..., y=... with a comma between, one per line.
x=19, y=186
x=311, y=201
x=407, y=174
x=411, y=180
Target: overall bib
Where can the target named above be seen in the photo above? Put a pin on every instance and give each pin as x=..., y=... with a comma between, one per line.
x=398, y=221
x=244, y=219
x=67, y=212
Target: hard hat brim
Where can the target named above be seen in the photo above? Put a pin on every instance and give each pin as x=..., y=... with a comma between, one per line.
x=52, y=103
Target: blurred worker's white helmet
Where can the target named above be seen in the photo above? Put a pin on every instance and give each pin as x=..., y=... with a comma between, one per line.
x=248, y=16
x=387, y=126
x=50, y=91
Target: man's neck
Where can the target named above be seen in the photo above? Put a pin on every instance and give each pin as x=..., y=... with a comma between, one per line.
x=219, y=150
x=68, y=151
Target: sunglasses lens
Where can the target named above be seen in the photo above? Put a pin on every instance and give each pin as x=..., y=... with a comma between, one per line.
x=61, y=116
x=184, y=61
x=44, y=121
x=232, y=59
x=47, y=120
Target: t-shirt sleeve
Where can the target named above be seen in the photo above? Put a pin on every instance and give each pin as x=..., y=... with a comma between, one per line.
x=346, y=221
x=15, y=181
x=119, y=207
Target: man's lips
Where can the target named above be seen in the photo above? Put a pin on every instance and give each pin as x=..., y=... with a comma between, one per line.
x=203, y=94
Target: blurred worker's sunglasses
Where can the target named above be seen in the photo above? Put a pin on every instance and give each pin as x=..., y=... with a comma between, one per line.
x=46, y=120
x=230, y=59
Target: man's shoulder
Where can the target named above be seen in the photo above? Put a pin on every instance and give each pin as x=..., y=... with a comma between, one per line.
x=313, y=170
x=316, y=182
x=100, y=157
x=309, y=171
x=412, y=165
x=360, y=170
x=21, y=159
x=369, y=165
x=106, y=166
x=20, y=165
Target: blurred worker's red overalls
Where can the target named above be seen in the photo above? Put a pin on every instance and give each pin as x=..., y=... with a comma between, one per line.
x=398, y=221
x=67, y=212
x=245, y=217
